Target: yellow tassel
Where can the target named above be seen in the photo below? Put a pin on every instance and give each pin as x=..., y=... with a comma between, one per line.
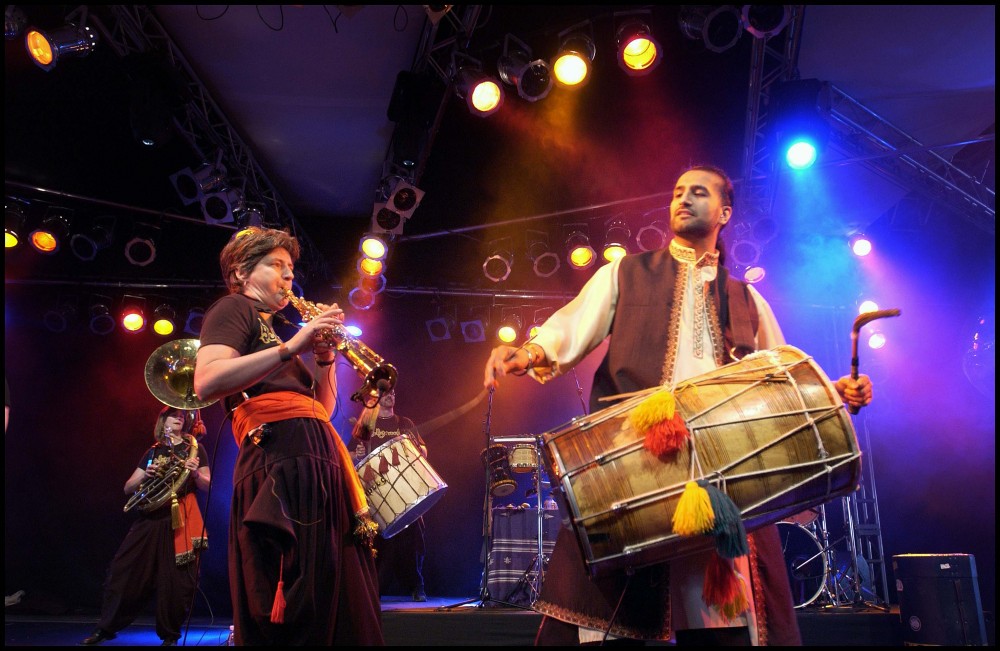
x=694, y=513
x=176, y=520
x=652, y=411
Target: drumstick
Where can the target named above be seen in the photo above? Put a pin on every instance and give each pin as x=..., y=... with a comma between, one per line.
x=859, y=322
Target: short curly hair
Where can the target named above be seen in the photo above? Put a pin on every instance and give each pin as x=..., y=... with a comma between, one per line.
x=248, y=247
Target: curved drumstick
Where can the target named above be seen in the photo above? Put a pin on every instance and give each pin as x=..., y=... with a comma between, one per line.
x=859, y=322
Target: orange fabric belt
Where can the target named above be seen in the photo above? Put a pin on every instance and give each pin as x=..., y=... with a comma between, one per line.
x=191, y=535
x=282, y=405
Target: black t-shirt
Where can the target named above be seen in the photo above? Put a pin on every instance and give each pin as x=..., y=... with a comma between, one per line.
x=245, y=325
x=161, y=453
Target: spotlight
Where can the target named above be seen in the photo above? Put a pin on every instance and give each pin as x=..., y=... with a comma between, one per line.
x=439, y=329
x=860, y=245
x=248, y=215
x=372, y=284
x=510, y=327
x=86, y=244
x=61, y=316
x=754, y=274
x=361, y=299
x=13, y=225
x=164, y=320
x=499, y=262
x=718, y=27
x=194, y=320
x=579, y=253
x=532, y=78
x=48, y=237
x=799, y=130
x=765, y=21
x=192, y=185
x=404, y=199
x=544, y=261
x=653, y=236
x=374, y=247
x=481, y=93
x=218, y=207
x=101, y=320
x=877, y=339
x=616, y=241
x=541, y=316
x=370, y=268
x=638, y=52
x=473, y=331
x=867, y=306
x=572, y=64
x=133, y=316
x=386, y=220
x=141, y=249
x=745, y=253
x=46, y=48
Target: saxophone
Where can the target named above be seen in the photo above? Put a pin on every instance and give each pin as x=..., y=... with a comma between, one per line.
x=379, y=377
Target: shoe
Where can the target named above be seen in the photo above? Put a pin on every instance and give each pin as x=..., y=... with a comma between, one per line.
x=168, y=643
x=98, y=636
x=419, y=595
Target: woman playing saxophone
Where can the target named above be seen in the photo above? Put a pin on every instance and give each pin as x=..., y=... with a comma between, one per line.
x=300, y=564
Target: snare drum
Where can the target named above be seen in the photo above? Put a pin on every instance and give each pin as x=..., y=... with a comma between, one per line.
x=770, y=430
x=524, y=458
x=399, y=483
x=496, y=463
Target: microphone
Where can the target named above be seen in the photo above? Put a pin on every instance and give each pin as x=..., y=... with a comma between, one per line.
x=383, y=385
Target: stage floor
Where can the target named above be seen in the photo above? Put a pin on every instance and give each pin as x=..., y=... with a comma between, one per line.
x=446, y=622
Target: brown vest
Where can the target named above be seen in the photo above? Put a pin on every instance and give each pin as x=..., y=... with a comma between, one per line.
x=641, y=326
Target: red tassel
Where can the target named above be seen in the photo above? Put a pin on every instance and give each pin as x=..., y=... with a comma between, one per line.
x=278, y=609
x=383, y=464
x=666, y=437
x=722, y=588
x=369, y=474
x=395, y=457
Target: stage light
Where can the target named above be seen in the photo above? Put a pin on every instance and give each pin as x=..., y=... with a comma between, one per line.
x=372, y=284
x=653, y=236
x=638, y=52
x=754, y=274
x=510, y=327
x=164, y=320
x=616, y=241
x=544, y=261
x=572, y=64
x=195, y=317
x=765, y=21
x=248, y=215
x=860, y=245
x=46, y=48
x=438, y=329
x=51, y=233
x=473, y=331
x=386, y=220
x=86, y=244
x=745, y=252
x=101, y=320
x=361, y=299
x=541, y=316
x=718, y=27
x=799, y=130
x=133, y=317
x=370, y=268
x=867, y=306
x=579, y=253
x=531, y=78
x=61, y=316
x=499, y=262
x=404, y=199
x=218, y=207
x=13, y=225
x=192, y=185
x=141, y=249
x=482, y=93
x=877, y=339
x=374, y=247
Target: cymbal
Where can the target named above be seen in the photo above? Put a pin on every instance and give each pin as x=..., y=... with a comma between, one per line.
x=170, y=374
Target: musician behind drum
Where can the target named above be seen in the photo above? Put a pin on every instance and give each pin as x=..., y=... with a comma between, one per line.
x=168, y=519
x=400, y=559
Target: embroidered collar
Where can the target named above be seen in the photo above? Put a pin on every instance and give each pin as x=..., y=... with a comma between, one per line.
x=685, y=254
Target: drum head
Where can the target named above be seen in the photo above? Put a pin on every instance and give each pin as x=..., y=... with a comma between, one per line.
x=806, y=562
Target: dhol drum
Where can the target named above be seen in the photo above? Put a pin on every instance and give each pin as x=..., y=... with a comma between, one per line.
x=770, y=430
x=498, y=466
x=524, y=458
x=399, y=483
x=805, y=558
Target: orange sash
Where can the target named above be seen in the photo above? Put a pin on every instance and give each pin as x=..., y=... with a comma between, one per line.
x=191, y=535
x=282, y=405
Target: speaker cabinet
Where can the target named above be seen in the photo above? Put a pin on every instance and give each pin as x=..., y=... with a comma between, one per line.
x=939, y=602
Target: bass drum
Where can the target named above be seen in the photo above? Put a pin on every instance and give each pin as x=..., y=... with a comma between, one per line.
x=806, y=561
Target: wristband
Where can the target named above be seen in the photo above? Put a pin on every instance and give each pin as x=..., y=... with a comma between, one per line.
x=284, y=354
x=320, y=362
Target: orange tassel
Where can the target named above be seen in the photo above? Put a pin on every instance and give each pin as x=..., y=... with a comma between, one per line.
x=693, y=514
x=723, y=589
x=657, y=418
x=278, y=609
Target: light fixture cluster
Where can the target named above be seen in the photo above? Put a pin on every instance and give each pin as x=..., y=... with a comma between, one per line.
x=209, y=186
x=374, y=251
x=132, y=313
x=637, y=51
x=508, y=324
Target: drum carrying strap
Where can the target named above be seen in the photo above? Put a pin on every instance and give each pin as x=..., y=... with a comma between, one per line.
x=738, y=312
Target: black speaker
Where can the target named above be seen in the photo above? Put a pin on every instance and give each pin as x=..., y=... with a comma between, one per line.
x=939, y=600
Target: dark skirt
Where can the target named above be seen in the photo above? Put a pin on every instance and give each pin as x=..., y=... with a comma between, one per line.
x=291, y=521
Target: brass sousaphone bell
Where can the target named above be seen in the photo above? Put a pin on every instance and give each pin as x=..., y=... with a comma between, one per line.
x=170, y=374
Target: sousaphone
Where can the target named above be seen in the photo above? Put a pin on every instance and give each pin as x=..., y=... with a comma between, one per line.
x=170, y=378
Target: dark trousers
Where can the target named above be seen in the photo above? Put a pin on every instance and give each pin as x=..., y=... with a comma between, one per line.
x=400, y=560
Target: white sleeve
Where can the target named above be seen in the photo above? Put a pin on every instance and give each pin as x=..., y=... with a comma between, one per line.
x=769, y=332
x=581, y=325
